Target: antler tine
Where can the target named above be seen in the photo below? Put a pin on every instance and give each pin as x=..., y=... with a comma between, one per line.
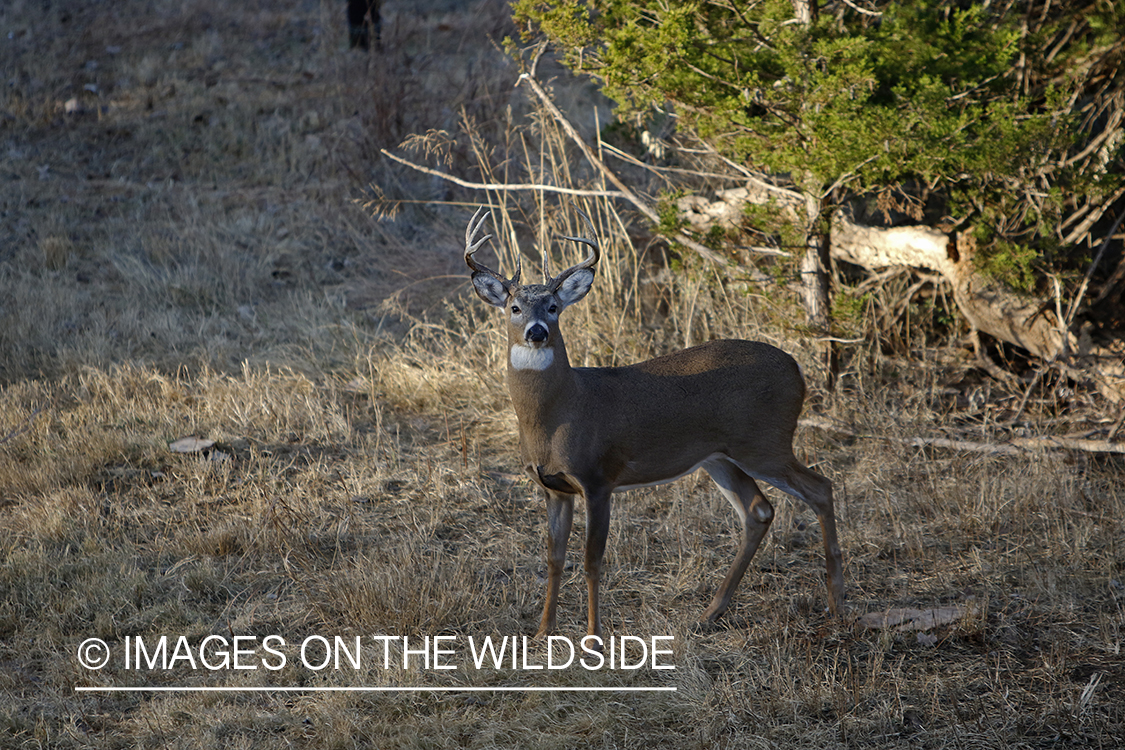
x=595, y=250
x=472, y=244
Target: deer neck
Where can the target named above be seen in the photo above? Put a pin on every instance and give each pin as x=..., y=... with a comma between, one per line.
x=540, y=381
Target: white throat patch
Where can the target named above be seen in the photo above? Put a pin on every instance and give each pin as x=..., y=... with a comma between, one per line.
x=526, y=358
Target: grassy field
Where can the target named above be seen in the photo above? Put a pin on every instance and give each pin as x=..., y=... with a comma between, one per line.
x=190, y=246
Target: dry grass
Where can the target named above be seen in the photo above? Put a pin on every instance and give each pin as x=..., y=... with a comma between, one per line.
x=186, y=256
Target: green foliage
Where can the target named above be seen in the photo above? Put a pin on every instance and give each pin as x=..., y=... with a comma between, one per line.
x=920, y=93
x=1009, y=263
x=777, y=222
x=849, y=310
x=715, y=238
x=671, y=222
x=971, y=102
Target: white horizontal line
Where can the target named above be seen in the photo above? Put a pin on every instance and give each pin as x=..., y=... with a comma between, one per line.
x=362, y=689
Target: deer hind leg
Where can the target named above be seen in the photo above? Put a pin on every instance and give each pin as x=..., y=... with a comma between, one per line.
x=755, y=514
x=560, y=516
x=800, y=481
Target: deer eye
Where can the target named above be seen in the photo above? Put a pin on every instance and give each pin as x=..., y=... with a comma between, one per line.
x=515, y=309
x=553, y=309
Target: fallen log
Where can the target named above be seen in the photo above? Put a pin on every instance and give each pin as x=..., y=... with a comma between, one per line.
x=1037, y=325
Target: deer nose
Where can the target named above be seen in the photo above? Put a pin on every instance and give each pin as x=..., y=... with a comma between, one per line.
x=537, y=333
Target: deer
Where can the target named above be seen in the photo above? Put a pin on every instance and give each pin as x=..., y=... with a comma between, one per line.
x=727, y=406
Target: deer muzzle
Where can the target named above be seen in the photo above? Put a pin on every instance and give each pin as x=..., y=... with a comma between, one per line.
x=536, y=334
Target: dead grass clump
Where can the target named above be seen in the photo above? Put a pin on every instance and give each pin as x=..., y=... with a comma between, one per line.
x=56, y=251
x=60, y=519
x=410, y=587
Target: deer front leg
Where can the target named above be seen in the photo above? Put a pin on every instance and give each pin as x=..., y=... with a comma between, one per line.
x=597, y=531
x=560, y=515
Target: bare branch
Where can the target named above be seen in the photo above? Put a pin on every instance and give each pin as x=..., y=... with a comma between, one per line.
x=501, y=185
x=754, y=177
x=626, y=193
x=1013, y=446
x=865, y=11
x=627, y=157
x=1090, y=271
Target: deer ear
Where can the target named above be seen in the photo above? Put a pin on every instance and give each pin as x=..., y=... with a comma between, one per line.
x=575, y=286
x=492, y=290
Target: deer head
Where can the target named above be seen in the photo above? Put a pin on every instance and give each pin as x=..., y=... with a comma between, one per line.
x=534, y=309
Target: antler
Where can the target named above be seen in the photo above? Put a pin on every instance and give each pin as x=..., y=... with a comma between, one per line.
x=591, y=260
x=472, y=244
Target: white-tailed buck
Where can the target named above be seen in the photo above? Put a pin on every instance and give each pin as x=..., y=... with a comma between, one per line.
x=729, y=407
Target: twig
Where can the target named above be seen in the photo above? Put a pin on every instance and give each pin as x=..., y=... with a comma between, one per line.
x=1086, y=224
x=876, y=278
x=985, y=362
x=1117, y=429
x=1090, y=272
x=501, y=185
x=853, y=6
x=1039, y=373
x=904, y=304
x=847, y=176
x=627, y=157
x=1012, y=447
x=704, y=251
x=757, y=179
x=1063, y=323
x=1114, y=280
x=771, y=252
x=836, y=340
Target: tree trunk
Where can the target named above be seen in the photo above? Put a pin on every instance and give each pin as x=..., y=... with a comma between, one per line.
x=806, y=11
x=815, y=283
